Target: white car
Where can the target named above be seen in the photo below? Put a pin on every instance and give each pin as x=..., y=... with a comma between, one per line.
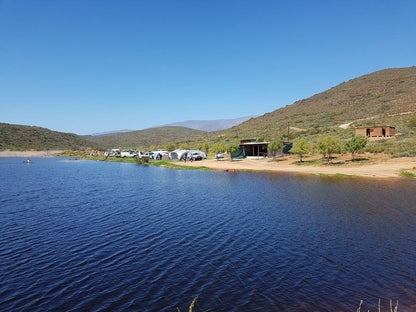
x=219, y=156
x=128, y=153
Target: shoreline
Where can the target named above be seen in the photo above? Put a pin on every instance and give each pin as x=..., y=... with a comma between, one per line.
x=376, y=166
x=8, y=153
x=368, y=166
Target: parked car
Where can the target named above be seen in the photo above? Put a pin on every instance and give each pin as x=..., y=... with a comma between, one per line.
x=196, y=156
x=128, y=153
x=111, y=154
x=219, y=156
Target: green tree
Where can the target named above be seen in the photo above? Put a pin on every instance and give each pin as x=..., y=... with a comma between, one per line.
x=329, y=145
x=275, y=146
x=184, y=146
x=217, y=147
x=203, y=146
x=232, y=148
x=170, y=147
x=301, y=147
x=355, y=145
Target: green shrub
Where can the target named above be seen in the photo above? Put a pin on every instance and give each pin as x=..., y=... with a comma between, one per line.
x=355, y=145
x=407, y=174
x=142, y=160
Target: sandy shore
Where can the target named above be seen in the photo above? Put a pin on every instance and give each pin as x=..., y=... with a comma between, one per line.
x=8, y=153
x=376, y=166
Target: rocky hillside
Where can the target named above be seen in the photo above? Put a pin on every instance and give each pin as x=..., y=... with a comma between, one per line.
x=385, y=97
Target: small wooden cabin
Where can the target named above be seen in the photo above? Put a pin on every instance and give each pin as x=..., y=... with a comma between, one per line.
x=253, y=148
x=376, y=132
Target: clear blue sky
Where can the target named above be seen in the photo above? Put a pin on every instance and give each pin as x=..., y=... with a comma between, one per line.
x=90, y=66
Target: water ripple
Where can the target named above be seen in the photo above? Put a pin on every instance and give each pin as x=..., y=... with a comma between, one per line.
x=94, y=236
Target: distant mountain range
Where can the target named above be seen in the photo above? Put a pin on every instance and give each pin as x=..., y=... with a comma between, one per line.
x=203, y=125
x=110, y=132
x=147, y=137
x=210, y=125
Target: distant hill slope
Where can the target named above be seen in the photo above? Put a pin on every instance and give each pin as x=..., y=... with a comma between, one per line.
x=147, y=137
x=18, y=137
x=385, y=97
x=211, y=125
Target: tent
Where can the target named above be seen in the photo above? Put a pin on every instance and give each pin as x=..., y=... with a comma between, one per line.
x=240, y=154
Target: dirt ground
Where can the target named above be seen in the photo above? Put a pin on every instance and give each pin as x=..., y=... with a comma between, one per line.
x=29, y=153
x=367, y=165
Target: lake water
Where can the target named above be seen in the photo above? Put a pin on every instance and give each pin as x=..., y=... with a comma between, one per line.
x=99, y=236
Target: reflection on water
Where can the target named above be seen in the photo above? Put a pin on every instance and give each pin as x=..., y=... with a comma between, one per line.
x=96, y=236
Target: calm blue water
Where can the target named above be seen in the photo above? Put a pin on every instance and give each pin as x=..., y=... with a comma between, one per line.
x=97, y=236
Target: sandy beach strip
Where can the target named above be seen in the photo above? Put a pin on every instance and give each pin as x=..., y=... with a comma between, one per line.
x=379, y=166
x=8, y=153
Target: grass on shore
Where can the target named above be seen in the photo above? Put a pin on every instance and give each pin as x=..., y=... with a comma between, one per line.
x=176, y=165
x=308, y=162
x=335, y=175
x=407, y=174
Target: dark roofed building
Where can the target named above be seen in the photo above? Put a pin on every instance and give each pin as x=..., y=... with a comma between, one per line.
x=253, y=148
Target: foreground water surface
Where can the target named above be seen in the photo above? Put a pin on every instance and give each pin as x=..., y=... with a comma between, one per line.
x=97, y=236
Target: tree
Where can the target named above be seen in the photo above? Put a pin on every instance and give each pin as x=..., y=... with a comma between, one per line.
x=355, y=145
x=217, y=147
x=301, y=147
x=170, y=147
x=275, y=146
x=184, y=146
x=329, y=145
x=232, y=148
x=203, y=147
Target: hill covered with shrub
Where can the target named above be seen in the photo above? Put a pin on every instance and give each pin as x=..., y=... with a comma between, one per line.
x=148, y=137
x=18, y=137
x=386, y=97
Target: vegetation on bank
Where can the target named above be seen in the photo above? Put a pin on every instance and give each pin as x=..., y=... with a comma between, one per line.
x=301, y=148
x=408, y=174
x=176, y=165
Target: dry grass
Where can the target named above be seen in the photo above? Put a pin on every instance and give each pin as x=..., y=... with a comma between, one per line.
x=192, y=305
x=394, y=308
